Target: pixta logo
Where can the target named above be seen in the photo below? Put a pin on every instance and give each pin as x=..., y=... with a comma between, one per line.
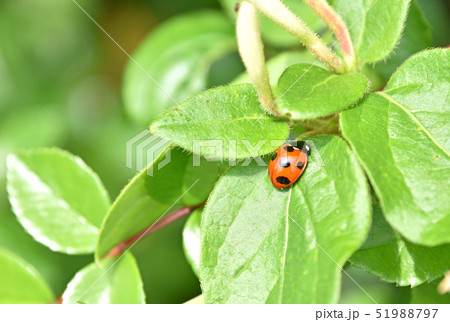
x=143, y=149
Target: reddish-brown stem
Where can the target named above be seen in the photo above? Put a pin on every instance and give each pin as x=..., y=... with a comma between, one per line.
x=177, y=214
x=58, y=300
x=337, y=25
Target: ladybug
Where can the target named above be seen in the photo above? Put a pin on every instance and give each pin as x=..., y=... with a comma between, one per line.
x=288, y=163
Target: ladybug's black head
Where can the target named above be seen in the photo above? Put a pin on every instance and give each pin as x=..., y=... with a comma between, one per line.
x=302, y=145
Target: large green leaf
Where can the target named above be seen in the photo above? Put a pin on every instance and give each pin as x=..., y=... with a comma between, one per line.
x=115, y=281
x=388, y=255
x=272, y=33
x=224, y=122
x=191, y=239
x=20, y=283
x=147, y=198
x=59, y=200
x=416, y=37
x=263, y=245
x=177, y=56
x=401, y=137
x=307, y=91
x=375, y=25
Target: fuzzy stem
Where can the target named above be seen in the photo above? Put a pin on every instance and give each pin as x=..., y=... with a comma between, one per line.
x=177, y=214
x=277, y=11
x=252, y=53
x=339, y=28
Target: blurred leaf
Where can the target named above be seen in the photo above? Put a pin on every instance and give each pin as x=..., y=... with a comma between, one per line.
x=273, y=34
x=224, y=121
x=383, y=293
x=416, y=37
x=388, y=255
x=20, y=283
x=375, y=26
x=401, y=137
x=438, y=14
x=279, y=63
x=225, y=70
x=263, y=245
x=49, y=55
x=56, y=268
x=115, y=281
x=147, y=198
x=427, y=294
x=191, y=239
x=27, y=127
x=306, y=91
x=177, y=55
x=57, y=198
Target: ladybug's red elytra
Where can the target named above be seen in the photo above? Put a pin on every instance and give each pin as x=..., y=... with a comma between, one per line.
x=288, y=163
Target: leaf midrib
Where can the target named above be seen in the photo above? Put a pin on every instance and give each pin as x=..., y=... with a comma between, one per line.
x=64, y=203
x=413, y=117
x=286, y=242
x=216, y=121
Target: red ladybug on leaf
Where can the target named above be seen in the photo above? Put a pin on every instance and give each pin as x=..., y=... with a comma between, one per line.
x=288, y=163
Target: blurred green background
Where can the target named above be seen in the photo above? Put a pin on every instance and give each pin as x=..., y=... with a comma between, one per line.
x=60, y=85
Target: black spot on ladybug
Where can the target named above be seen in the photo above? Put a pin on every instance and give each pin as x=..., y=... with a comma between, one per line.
x=289, y=148
x=283, y=180
x=285, y=162
x=300, y=165
x=274, y=156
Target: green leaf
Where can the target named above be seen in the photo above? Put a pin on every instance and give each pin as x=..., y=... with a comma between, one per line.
x=306, y=91
x=272, y=33
x=388, y=255
x=427, y=294
x=177, y=56
x=222, y=123
x=416, y=37
x=112, y=282
x=254, y=238
x=56, y=268
x=401, y=137
x=147, y=198
x=191, y=239
x=20, y=282
x=375, y=25
x=59, y=200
